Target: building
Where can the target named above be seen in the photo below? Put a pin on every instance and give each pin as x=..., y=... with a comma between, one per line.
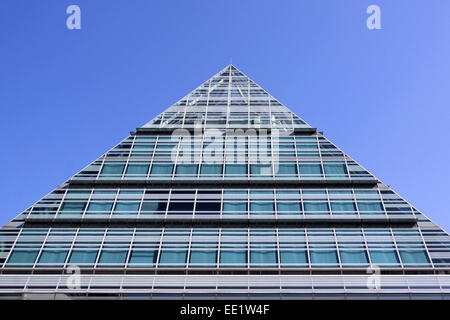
x=225, y=194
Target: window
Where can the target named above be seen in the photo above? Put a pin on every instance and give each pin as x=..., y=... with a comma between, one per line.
x=316, y=207
x=112, y=170
x=233, y=258
x=354, y=258
x=161, y=170
x=288, y=207
x=181, y=206
x=261, y=169
x=72, y=207
x=324, y=258
x=373, y=207
x=233, y=207
x=123, y=207
x=186, y=170
x=259, y=207
x=203, y=258
x=137, y=170
x=293, y=258
x=208, y=207
x=153, y=207
x=288, y=170
x=211, y=170
x=52, y=258
x=83, y=258
x=384, y=258
x=310, y=170
x=236, y=170
x=263, y=258
x=22, y=257
x=112, y=258
x=414, y=258
x=97, y=207
x=173, y=258
x=335, y=169
x=343, y=207
x=143, y=258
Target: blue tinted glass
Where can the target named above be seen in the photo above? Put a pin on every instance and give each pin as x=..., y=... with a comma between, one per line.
x=173, y=258
x=126, y=207
x=343, y=207
x=261, y=208
x=335, y=169
x=354, y=258
x=323, y=258
x=186, y=170
x=316, y=207
x=263, y=258
x=23, y=257
x=230, y=207
x=83, y=257
x=52, y=257
x=373, y=207
x=99, y=207
x=112, y=258
x=143, y=258
x=205, y=258
x=211, y=170
x=261, y=169
x=293, y=258
x=288, y=207
x=71, y=207
x=161, y=170
x=310, y=169
x=137, y=170
x=384, y=257
x=112, y=169
x=235, y=258
x=289, y=170
x=414, y=258
x=236, y=170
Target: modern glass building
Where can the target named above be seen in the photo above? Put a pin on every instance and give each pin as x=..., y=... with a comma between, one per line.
x=226, y=194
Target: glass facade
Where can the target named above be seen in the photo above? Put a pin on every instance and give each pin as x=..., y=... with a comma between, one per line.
x=226, y=193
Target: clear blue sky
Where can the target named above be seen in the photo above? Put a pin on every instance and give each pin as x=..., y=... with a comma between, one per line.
x=383, y=96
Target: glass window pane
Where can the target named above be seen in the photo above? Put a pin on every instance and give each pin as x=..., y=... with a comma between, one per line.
x=22, y=257
x=137, y=170
x=112, y=258
x=123, y=207
x=293, y=258
x=263, y=258
x=233, y=258
x=143, y=258
x=211, y=170
x=185, y=170
x=173, y=258
x=310, y=170
x=161, y=170
x=83, y=258
x=384, y=258
x=316, y=207
x=112, y=170
x=416, y=258
x=96, y=207
x=324, y=258
x=236, y=170
x=335, y=169
x=204, y=258
x=72, y=207
x=354, y=258
x=52, y=258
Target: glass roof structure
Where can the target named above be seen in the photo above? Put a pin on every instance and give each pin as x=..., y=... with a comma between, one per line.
x=227, y=193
